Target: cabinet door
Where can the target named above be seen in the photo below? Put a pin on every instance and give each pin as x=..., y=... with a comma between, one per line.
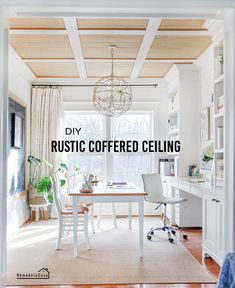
x=209, y=223
x=220, y=229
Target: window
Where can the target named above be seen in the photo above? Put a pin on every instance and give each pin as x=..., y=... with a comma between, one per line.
x=117, y=166
x=130, y=166
x=93, y=128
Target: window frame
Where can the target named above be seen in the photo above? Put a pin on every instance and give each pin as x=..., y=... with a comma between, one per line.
x=107, y=121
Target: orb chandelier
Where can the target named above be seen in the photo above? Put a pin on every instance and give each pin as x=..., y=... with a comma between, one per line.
x=112, y=95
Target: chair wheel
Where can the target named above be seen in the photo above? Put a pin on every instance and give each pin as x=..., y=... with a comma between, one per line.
x=173, y=232
x=149, y=237
x=185, y=237
x=171, y=240
x=151, y=233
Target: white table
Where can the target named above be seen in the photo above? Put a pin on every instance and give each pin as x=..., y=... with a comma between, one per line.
x=103, y=193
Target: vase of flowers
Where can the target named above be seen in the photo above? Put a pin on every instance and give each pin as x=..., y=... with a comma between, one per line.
x=207, y=164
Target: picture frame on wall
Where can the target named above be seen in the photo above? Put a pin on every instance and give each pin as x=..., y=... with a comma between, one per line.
x=205, y=124
x=16, y=131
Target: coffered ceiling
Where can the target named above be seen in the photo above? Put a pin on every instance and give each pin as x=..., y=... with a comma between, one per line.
x=77, y=47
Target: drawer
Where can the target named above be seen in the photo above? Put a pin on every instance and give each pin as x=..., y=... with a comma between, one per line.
x=184, y=186
x=196, y=191
x=174, y=183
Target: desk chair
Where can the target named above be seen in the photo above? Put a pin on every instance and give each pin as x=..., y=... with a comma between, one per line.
x=153, y=188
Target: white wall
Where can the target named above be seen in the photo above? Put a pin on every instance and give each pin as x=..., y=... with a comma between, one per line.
x=205, y=64
x=144, y=98
x=17, y=208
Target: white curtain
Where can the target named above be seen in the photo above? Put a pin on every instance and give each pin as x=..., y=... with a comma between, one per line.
x=47, y=123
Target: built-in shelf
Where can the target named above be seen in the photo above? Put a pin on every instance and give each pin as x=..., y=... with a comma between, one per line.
x=173, y=154
x=219, y=150
x=174, y=111
x=218, y=115
x=218, y=124
x=173, y=132
x=218, y=79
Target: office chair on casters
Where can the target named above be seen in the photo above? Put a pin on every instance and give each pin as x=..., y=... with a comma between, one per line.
x=153, y=188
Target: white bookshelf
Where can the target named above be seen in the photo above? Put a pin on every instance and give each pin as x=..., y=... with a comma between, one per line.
x=182, y=115
x=218, y=97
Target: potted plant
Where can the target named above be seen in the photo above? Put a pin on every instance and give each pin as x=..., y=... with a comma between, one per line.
x=34, y=197
x=43, y=185
x=208, y=160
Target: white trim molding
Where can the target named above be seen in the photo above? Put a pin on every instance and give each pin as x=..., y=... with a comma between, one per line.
x=3, y=145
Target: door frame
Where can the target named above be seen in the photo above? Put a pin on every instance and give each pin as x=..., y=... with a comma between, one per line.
x=152, y=7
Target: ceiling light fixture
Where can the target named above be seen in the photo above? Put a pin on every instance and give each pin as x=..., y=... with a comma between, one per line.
x=112, y=94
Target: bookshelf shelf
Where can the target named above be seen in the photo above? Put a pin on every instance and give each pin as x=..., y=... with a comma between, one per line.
x=218, y=120
x=173, y=132
x=219, y=150
x=218, y=79
x=220, y=114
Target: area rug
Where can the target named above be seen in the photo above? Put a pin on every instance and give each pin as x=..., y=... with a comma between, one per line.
x=114, y=257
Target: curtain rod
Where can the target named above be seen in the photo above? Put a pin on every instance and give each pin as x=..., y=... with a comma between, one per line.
x=92, y=85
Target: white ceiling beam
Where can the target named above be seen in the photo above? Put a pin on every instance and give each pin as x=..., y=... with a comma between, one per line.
x=109, y=32
x=37, y=32
x=108, y=60
x=71, y=27
x=183, y=33
x=148, y=39
x=119, y=13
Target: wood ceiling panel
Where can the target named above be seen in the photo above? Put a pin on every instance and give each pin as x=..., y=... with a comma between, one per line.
x=154, y=70
x=178, y=47
x=37, y=23
x=42, y=46
x=112, y=24
x=95, y=46
x=182, y=24
x=102, y=69
x=54, y=69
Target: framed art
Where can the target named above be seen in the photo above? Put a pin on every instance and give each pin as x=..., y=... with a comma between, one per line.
x=204, y=124
x=17, y=131
x=16, y=145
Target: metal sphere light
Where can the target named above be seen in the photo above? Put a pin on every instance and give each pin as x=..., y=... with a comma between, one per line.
x=112, y=94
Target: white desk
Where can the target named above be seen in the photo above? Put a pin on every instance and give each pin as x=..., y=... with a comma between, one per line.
x=212, y=213
x=103, y=193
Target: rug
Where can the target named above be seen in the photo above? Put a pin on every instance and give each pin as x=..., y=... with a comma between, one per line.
x=114, y=257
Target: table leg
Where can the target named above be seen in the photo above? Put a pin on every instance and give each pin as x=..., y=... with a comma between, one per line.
x=141, y=226
x=130, y=214
x=75, y=226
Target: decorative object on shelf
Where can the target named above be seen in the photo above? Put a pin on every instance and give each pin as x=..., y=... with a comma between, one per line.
x=211, y=126
x=219, y=172
x=208, y=153
x=220, y=104
x=207, y=162
x=192, y=170
x=220, y=137
x=87, y=184
x=112, y=94
x=204, y=124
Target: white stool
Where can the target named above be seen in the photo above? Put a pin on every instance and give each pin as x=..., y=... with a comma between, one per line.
x=37, y=208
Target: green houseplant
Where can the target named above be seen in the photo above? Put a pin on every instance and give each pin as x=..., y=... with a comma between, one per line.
x=43, y=184
x=208, y=153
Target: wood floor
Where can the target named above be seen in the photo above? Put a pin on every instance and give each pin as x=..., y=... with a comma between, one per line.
x=193, y=244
